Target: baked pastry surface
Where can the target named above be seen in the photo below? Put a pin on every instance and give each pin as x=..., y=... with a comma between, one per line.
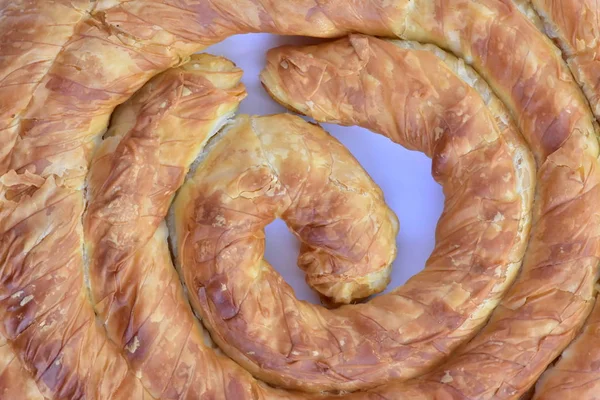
x=91, y=304
x=480, y=160
x=556, y=283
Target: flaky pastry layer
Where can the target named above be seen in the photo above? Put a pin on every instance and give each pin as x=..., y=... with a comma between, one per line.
x=481, y=236
x=556, y=284
x=67, y=64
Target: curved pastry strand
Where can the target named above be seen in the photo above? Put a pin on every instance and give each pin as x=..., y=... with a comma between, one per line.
x=33, y=34
x=553, y=293
x=153, y=139
x=48, y=320
x=575, y=376
x=487, y=174
x=116, y=48
x=280, y=166
x=575, y=27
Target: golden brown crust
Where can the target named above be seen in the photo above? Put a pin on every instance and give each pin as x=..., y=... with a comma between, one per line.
x=15, y=381
x=556, y=284
x=33, y=33
x=47, y=318
x=154, y=137
x=574, y=26
x=485, y=223
x=280, y=166
x=575, y=376
x=121, y=44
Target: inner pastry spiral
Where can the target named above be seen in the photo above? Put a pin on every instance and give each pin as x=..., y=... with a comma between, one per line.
x=480, y=160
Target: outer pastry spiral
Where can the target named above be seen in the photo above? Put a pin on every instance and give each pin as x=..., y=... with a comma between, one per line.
x=315, y=80
x=66, y=64
x=575, y=26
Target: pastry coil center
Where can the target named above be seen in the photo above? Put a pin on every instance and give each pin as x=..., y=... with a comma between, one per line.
x=220, y=214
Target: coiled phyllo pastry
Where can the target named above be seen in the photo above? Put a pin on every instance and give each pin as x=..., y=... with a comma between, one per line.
x=133, y=201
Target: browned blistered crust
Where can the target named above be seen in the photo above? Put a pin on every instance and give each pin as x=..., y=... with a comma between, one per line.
x=153, y=139
x=575, y=376
x=554, y=291
x=574, y=25
x=61, y=80
x=281, y=166
x=47, y=317
x=487, y=174
x=33, y=33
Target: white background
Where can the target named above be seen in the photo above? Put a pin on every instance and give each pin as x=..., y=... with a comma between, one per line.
x=403, y=175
